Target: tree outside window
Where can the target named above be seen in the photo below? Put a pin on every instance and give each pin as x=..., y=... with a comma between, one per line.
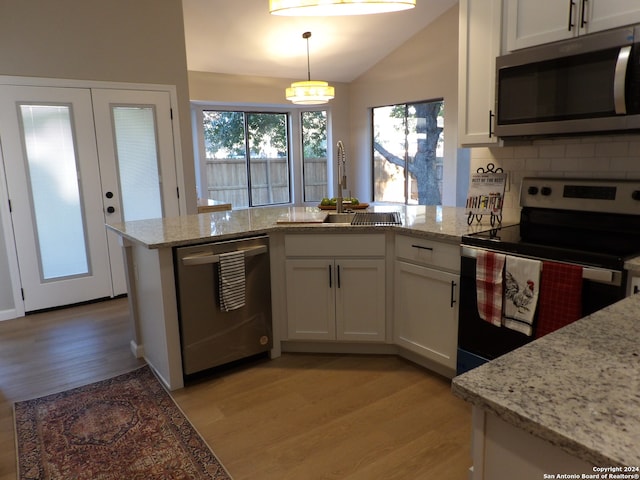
x=247, y=157
x=408, y=152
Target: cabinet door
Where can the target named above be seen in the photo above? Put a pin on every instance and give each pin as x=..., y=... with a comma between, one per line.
x=534, y=22
x=479, y=44
x=606, y=14
x=426, y=312
x=310, y=299
x=360, y=299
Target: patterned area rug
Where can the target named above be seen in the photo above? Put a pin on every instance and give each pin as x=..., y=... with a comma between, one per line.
x=127, y=427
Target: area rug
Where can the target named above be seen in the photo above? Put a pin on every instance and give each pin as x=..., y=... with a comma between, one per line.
x=126, y=427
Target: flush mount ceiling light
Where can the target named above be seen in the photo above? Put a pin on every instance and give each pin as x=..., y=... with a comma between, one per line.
x=309, y=92
x=324, y=8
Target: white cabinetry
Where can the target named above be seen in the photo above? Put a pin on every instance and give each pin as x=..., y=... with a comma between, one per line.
x=499, y=449
x=335, y=287
x=479, y=44
x=426, y=298
x=534, y=22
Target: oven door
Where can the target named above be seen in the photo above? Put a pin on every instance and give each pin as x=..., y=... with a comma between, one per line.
x=480, y=341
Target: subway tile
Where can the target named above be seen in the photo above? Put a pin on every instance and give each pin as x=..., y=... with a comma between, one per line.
x=552, y=151
x=580, y=150
x=612, y=149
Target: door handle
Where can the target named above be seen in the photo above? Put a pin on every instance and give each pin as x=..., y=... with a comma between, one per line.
x=212, y=258
x=583, y=21
x=453, y=293
x=491, y=115
x=620, y=80
x=571, y=5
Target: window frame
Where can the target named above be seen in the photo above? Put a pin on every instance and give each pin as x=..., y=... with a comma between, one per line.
x=407, y=176
x=295, y=148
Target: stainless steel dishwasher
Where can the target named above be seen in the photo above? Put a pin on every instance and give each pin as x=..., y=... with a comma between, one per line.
x=210, y=336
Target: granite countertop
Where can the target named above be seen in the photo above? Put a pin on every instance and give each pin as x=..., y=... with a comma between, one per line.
x=441, y=223
x=577, y=388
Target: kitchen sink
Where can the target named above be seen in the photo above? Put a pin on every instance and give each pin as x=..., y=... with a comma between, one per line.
x=364, y=218
x=340, y=218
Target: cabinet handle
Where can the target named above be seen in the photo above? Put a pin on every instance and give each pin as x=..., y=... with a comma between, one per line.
x=330, y=282
x=338, y=275
x=453, y=293
x=422, y=248
x=571, y=5
x=583, y=20
x=491, y=115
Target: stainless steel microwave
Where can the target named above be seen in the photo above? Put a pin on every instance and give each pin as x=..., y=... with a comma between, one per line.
x=583, y=85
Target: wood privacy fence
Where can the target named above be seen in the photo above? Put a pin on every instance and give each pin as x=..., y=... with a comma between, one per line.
x=227, y=180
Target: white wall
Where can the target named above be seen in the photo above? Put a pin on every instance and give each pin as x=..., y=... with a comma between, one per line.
x=607, y=156
x=223, y=89
x=424, y=68
x=115, y=40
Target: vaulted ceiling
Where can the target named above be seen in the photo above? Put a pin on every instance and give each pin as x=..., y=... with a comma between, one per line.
x=241, y=37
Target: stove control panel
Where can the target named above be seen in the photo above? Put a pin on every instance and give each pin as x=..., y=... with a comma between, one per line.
x=609, y=196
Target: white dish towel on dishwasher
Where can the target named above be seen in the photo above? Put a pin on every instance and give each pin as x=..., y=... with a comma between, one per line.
x=232, y=280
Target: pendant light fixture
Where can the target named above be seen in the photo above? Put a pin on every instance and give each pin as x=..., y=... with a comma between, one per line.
x=309, y=92
x=324, y=8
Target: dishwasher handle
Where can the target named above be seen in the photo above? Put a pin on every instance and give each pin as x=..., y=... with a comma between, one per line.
x=214, y=258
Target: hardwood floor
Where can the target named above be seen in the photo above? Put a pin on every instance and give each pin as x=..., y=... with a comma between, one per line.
x=301, y=416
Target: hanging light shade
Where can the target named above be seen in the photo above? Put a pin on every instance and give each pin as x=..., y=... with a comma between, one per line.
x=309, y=92
x=324, y=8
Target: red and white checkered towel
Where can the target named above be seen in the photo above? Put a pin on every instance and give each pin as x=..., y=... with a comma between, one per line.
x=489, y=266
x=560, y=296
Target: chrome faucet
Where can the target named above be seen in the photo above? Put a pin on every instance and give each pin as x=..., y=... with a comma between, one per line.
x=342, y=176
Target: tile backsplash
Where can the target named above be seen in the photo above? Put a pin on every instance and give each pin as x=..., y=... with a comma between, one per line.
x=610, y=156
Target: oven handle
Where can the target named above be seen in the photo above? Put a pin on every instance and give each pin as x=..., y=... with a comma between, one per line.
x=594, y=274
x=211, y=258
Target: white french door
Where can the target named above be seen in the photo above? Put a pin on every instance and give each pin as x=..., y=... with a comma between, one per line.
x=134, y=135
x=53, y=182
x=75, y=159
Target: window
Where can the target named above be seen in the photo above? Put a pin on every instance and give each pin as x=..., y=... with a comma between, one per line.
x=246, y=157
x=408, y=153
x=314, y=155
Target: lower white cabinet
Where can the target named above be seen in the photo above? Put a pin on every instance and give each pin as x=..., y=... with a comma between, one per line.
x=334, y=298
x=426, y=299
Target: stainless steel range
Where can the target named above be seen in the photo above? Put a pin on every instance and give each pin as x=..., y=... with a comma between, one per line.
x=590, y=225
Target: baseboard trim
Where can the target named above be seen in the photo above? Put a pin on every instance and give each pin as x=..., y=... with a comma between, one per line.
x=137, y=350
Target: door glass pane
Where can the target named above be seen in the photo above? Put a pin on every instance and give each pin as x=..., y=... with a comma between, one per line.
x=268, y=158
x=137, y=160
x=55, y=191
x=314, y=155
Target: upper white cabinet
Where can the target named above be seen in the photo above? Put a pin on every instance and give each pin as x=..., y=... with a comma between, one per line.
x=534, y=22
x=479, y=44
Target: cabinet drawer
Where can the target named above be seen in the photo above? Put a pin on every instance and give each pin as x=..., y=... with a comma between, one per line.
x=334, y=245
x=428, y=252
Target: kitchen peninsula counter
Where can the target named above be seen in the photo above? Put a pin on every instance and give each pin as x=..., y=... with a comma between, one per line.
x=577, y=388
x=148, y=251
x=441, y=223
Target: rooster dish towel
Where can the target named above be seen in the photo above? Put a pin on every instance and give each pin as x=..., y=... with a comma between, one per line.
x=521, y=288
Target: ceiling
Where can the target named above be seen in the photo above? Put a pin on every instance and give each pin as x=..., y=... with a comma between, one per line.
x=241, y=37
